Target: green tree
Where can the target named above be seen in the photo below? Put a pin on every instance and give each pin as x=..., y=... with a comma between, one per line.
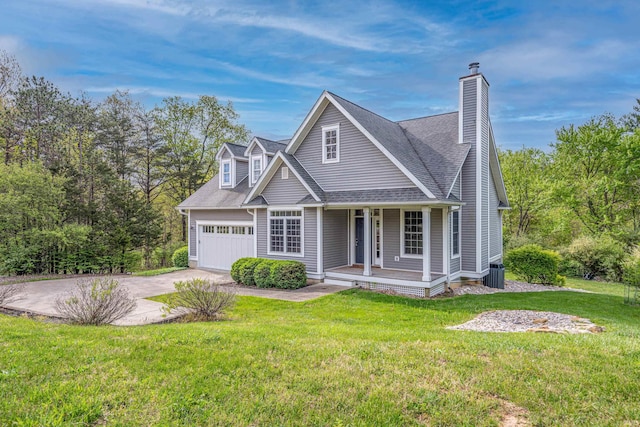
x=525, y=174
x=596, y=167
x=193, y=133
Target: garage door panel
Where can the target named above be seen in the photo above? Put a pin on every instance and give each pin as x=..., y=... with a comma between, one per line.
x=222, y=245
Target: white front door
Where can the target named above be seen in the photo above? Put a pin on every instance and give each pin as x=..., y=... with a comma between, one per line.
x=220, y=245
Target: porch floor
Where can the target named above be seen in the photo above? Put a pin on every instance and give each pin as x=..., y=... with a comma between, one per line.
x=387, y=273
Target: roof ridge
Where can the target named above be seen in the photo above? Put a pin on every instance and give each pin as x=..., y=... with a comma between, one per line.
x=427, y=117
x=362, y=108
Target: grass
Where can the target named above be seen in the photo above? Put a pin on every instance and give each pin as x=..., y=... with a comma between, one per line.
x=352, y=358
x=609, y=288
x=158, y=272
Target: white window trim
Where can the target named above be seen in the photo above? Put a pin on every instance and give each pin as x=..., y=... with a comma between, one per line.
x=402, y=253
x=254, y=178
x=455, y=256
x=285, y=253
x=230, y=183
x=326, y=129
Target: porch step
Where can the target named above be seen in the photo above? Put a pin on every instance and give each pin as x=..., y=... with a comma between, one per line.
x=338, y=282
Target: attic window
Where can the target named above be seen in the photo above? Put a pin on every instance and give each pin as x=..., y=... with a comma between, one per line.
x=331, y=144
x=256, y=168
x=285, y=172
x=225, y=174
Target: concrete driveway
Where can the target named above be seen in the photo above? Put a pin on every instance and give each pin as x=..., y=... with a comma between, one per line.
x=39, y=297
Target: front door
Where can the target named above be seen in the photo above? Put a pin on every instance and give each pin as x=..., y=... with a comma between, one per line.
x=359, y=240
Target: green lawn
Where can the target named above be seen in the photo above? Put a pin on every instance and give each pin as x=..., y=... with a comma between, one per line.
x=588, y=285
x=353, y=358
x=158, y=271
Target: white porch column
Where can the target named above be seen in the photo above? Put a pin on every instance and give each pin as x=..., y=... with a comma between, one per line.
x=426, y=244
x=367, y=242
x=446, y=253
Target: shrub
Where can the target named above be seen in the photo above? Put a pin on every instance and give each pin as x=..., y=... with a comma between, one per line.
x=203, y=299
x=262, y=273
x=236, y=268
x=601, y=256
x=9, y=293
x=246, y=270
x=570, y=267
x=95, y=302
x=535, y=265
x=288, y=274
x=180, y=257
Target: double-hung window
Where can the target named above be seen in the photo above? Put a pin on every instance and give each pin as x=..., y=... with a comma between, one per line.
x=285, y=232
x=412, y=233
x=256, y=169
x=225, y=172
x=331, y=144
x=455, y=233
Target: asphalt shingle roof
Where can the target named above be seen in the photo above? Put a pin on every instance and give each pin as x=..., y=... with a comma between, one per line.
x=211, y=195
x=435, y=139
x=236, y=149
x=273, y=146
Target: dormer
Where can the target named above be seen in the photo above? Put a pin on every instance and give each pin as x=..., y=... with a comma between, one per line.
x=259, y=152
x=233, y=166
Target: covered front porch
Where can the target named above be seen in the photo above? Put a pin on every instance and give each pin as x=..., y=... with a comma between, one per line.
x=400, y=248
x=403, y=281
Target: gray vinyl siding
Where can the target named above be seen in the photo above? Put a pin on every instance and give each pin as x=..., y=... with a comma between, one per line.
x=213, y=215
x=391, y=228
x=470, y=100
x=454, y=265
x=309, y=244
x=391, y=242
x=455, y=189
x=436, y=240
x=242, y=169
x=256, y=151
x=284, y=191
x=494, y=222
x=362, y=165
x=226, y=154
x=484, y=144
x=468, y=177
x=335, y=235
x=468, y=214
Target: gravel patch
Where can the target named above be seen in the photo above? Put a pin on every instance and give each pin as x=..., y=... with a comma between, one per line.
x=529, y=321
x=509, y=286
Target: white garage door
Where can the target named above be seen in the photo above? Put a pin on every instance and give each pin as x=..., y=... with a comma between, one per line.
x=221, y=245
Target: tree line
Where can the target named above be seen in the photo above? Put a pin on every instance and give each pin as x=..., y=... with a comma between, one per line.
x=90, y=186
x=582, y=197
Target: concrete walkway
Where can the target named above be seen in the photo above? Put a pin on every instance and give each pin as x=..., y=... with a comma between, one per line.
x=39, y=297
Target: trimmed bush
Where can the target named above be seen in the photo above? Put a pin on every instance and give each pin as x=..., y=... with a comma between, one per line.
x=201, y=299
x=262, y=273
x=600, y=256
x=246, y=271
x=235, y=269
x=288, y=274
x=535, y=265
x=96, y=302
x=180, y=257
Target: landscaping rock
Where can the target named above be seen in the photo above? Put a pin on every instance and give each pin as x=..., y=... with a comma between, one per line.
x=525, y=321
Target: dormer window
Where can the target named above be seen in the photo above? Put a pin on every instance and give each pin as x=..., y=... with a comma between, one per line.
x=331, y=144
x=256, y=168
x=225, y=174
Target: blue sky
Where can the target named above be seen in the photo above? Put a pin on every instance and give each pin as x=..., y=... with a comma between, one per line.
x=549, y=63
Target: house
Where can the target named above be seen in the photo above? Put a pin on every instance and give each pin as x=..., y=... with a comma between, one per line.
x=410, y=206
